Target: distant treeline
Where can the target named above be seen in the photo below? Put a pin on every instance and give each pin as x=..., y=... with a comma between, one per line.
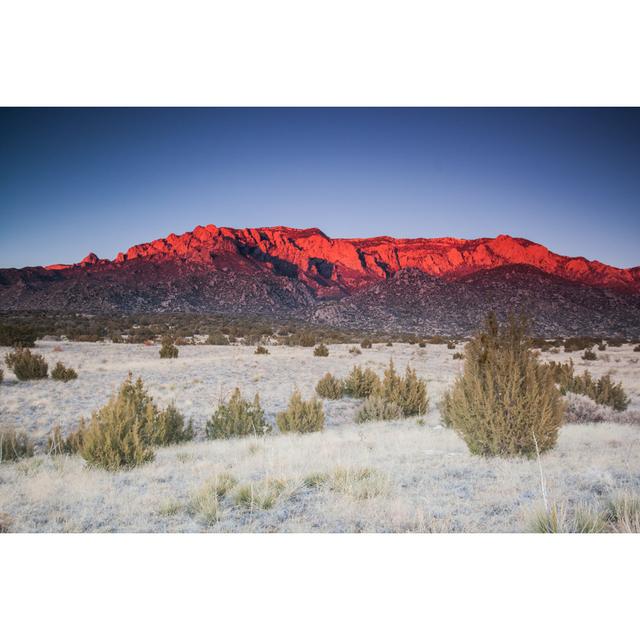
x=22, y=329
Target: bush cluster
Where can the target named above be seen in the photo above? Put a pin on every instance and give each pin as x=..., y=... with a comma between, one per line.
x=14, y=445
x=60, y=372
x=26, y=365
x=602, y=391
x=330, y=387
x=17, y=336
x=237, y=417
x=589, y=355
x=168, y=348
x=321, y=351
x=505, y=403
x=123, y=432
x=301, y=416
x=361, y=383
x=376, y=408
x=217, y=338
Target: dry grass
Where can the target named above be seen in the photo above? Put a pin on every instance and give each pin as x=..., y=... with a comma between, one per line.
x=420, y=476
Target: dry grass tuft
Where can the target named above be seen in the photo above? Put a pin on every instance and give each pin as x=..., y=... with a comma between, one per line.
x=259, y=495
x=359, y=483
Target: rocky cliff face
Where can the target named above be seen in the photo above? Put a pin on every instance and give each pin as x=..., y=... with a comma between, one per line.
x=324, y=262
x=303, y=273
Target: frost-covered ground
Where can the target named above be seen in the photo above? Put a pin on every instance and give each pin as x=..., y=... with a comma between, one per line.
x=411, y=475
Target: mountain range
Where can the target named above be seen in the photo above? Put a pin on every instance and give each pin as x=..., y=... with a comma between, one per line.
x=438, y=285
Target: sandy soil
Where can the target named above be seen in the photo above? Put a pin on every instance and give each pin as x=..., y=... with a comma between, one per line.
x=411, y=475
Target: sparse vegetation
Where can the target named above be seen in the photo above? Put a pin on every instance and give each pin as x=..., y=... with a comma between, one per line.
x=217, y=338
x=26, y=365
x=619, y=514
x=259, y=495
x=168, y=348
x=366, y=344
x=301, y=416
x=589, y=355
x=330, y=387
x=261, y=351
x=14, y=444
x=451, y=344
x=355, y=351
x=237, y=418
x=321, y=351
x=359, y=483
x=361, y=383
x=62, y=373
x=17, y=336
x=505, y=403
x=602, y=391
x=458, y=355
x=205, y=502
x=376, y=408
x=58, y=444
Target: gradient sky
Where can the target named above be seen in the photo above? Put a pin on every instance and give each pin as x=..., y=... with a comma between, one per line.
x=79, y=180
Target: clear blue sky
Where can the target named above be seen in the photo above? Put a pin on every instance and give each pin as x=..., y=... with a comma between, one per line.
x=79, y=180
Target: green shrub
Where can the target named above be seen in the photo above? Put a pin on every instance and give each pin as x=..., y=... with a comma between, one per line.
x=14, y=445
x=330, y=387
x=261, y=351
x=168, y=348
x=217, y=338
x=422, y=345
x=458, y=355
x=302, y=416
x=602, y=391
x=14, y=336
x=366, y=344
x=505, y=403
x=610, y=394
x=237, y=417
x=169, y=428
x=123, y=432
x=25, y=365
x=408, y=392
x=376, y=408
x=321, y=351
x=602, y=346
x=589, y=355
x=361, y=383
x=60, y=372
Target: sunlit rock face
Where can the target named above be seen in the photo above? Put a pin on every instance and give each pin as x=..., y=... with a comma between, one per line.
x=427, y=285
x=348, y=264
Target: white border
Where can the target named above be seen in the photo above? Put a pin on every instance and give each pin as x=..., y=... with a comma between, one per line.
x=329, y=52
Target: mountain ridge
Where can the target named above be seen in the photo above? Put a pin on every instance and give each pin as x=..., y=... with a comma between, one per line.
x=442, y=285
x=350, y=263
